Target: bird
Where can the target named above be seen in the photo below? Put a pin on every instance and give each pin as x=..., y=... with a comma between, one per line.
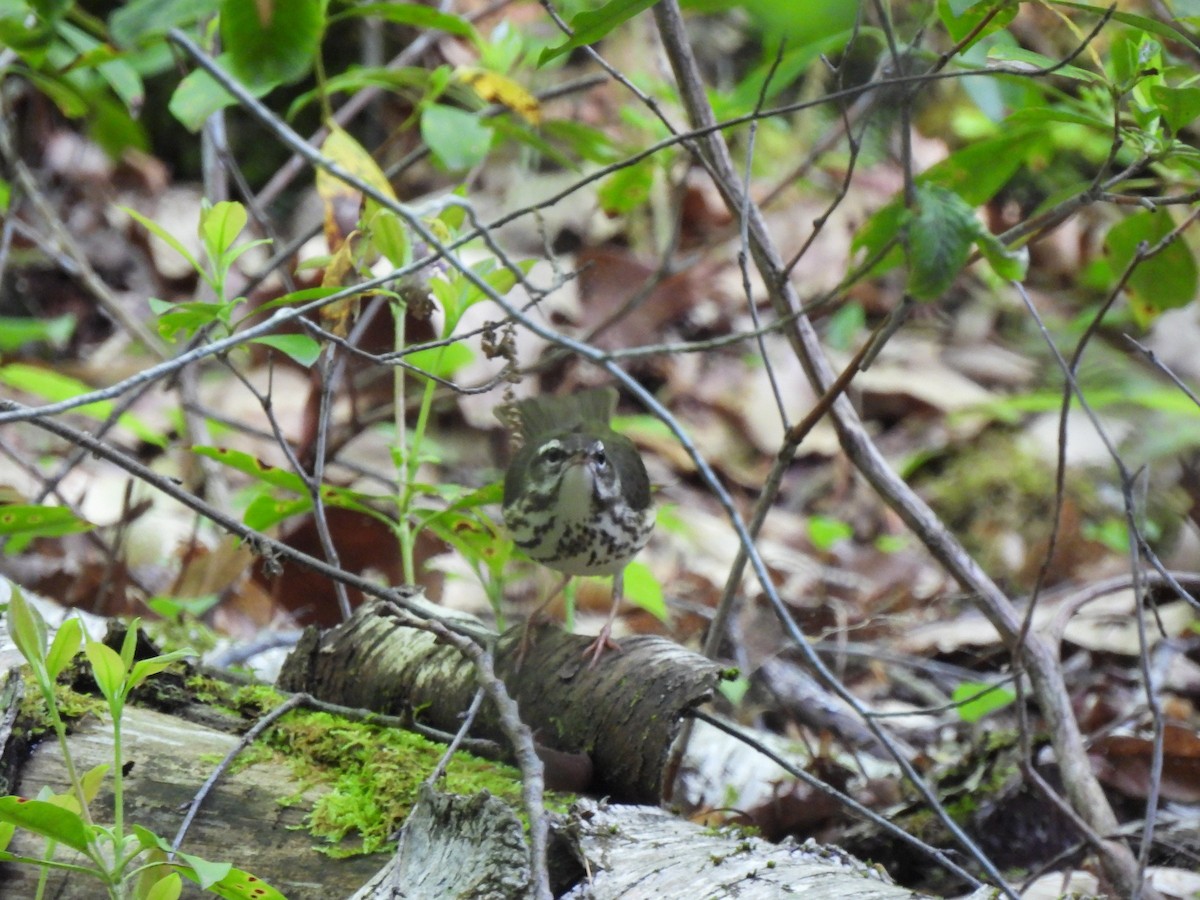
x=576, y=495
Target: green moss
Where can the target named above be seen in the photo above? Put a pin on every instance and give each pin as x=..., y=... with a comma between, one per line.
x=996, y=487
x=32, y=720
x=206, y=690
x=73, y=705
x=367, y=777
x=253, y=700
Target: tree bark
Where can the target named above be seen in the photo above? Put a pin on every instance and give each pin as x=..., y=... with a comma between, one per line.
x=620, y=716
x=242, y=821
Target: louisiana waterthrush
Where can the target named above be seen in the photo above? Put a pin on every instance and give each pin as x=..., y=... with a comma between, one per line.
x=576, y=495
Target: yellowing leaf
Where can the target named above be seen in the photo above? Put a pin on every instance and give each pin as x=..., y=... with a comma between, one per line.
x=336, y=316
x=495, y=88
x=343, y=203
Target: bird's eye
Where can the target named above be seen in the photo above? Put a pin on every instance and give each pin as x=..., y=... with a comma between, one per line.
x=600, y=458
x=552, y=454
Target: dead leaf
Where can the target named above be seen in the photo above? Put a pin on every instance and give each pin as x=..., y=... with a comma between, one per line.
x=1124, y=762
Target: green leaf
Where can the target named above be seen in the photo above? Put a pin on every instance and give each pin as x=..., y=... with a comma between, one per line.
x=824, y=531
x=1010, y=53
x=940, y=236
x=1010, y=265
x=585, y=141
x=734, y=689
x=484, y=496
x=878, y=232
x=453, y=215
x=845, y=326
x=770, y=77
x=108, y=670
x=271, y=41
x=22, y=523
x=1112, y=532
x=199, y=95
x=300, y=347
x=265, y=511
x=977, y=699
x=169, y=887
x=50, y=10
x=388, y=235
x=408, y=80
x=424, y=18
x=457, y=138
x=801, y=24
x=25, y=34
x=235, y=885
x=1179, y=106
x=1059, y=114
x=129, y=643
x=115, y=129
x=220, y=226
x=979, y=170
x=66, y=96
x=92, y=779
x=891, y=543
x=297, y=298
x=643, y=590
x=1130, y=54
x=144, y=668
x=255, y=468
x=189, y=316
x=1167, y=280
x=54, y=386
x=441, y=361
x=66, y=644
x=590, y=26
x=172, y=608
x=27, y=627
x=122, y=77
x=467, y=501
x=626, y=189
x=464, y=294
x=17, y=332
x=148, y=840
x=165, y=236
x=207, y=873
x=46, y=819
x=138, y=20
x=1162, y=29
x=961, y=17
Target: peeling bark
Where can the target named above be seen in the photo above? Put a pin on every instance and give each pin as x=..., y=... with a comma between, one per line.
x=623, y=714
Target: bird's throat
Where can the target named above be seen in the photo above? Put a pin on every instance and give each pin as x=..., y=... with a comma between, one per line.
x=575, y=492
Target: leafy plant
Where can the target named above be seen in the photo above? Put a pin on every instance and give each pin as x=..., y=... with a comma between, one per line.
x=127, y=861
x=21, y=523
x=53, y=386
x=16, y=332
x=219, y=228
x=85, y=77
x=976, y=700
